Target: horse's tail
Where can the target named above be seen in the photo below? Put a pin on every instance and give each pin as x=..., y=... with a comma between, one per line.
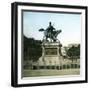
x=57, y=32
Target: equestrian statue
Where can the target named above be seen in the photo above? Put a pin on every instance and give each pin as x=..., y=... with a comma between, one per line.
x=50, y=33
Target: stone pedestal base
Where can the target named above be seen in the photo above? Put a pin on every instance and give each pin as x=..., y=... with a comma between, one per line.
x=51, y=54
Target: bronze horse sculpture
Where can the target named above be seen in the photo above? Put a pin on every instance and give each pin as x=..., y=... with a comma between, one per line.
x=51, y=36
x=50, y=33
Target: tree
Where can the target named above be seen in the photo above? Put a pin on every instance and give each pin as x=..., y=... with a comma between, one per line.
x=32, y=49
x=74, y=52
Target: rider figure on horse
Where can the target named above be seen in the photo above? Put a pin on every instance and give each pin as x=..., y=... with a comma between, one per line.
x=50, y=29
x=50, y=33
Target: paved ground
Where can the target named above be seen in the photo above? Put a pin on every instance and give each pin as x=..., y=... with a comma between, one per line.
x=34, y=73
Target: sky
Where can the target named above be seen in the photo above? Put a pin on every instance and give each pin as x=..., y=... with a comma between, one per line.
x=70, y=24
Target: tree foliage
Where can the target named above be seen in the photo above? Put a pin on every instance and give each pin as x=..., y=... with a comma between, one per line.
x=74, y=52
x=32, y=49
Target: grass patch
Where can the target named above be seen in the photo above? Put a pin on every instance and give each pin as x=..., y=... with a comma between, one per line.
x=36, y=73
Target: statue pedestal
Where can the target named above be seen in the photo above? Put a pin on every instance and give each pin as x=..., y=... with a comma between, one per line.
x=51, y=55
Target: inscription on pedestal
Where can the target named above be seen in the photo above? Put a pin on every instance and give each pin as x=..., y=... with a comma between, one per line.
x=50, y=51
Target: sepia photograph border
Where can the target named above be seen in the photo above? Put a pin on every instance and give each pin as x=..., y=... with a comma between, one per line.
x=15, y=54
